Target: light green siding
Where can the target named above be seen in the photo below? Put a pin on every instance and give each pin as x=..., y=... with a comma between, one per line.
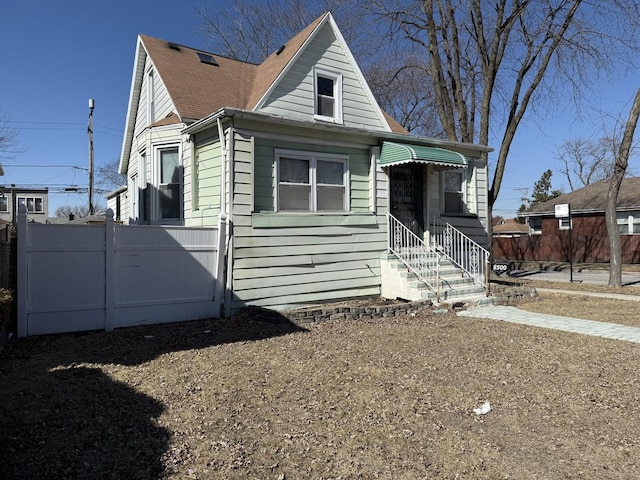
x=294, y=95
x=265, y=172
x=208, y=172
x=283, y=260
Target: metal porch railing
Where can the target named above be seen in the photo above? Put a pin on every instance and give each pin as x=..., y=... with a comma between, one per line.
x=412, y=251
x=471, y=257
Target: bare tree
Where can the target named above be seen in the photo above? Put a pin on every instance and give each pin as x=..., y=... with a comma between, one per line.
x=406, y=91
x=585, y=161
x=108, y=177
x=9, y=145
x=619, y=170
x=71, y=213
x=250, y=30
x=493, y=61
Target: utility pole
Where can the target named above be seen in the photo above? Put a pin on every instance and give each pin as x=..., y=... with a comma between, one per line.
x=90, y=131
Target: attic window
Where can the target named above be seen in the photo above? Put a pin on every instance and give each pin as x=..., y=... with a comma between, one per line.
x=173, y=46
x=328, y=96
x=206, y=58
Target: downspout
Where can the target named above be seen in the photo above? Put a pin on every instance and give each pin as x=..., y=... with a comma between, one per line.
x=375, y=154
x=195, y=203
x=229, y=290
x=223, y=231
x=223, y=170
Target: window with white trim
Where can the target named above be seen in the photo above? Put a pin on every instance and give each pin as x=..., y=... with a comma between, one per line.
x=4, y=204
x=169, y=177
x=453, y=186
x=151, y=98
x=535, y=225
x=33, y=204
x=565, y=223
x=328, y=96
x=628, y=223
x=311, y=182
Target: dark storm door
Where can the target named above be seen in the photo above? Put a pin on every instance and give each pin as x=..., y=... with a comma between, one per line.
x=406, y=200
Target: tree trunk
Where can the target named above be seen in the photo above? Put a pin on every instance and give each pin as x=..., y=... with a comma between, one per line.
x=620, y=168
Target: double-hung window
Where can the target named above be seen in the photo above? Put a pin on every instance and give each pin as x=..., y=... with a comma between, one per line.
x=4, y=204
x=33, y=204
x=453, y=191
x=628, y=223
x=169, y=183
x=328, y=96
x=312, y=182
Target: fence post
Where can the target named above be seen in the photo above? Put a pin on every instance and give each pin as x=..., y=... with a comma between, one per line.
x=22, y=282
x=109, y=265
x=220, y=257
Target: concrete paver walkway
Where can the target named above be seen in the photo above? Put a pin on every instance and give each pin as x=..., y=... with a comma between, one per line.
x=586, y=327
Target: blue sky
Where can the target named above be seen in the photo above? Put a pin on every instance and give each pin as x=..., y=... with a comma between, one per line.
x=58, y=55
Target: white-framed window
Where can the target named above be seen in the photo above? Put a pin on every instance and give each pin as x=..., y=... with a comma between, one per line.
x=151, y=97
x=535, y=225
x=628, y=223
x=311, y=182
x=135, y=196
x=565, y=223
x=4, y=204
x=168, y=206
x=328, y=96
x=453, y=188
x=33, y=204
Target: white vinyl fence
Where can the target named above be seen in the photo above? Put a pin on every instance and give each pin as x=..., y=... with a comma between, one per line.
x=104, y=276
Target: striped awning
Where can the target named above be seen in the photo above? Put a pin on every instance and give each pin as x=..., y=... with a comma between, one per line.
x=399, y=153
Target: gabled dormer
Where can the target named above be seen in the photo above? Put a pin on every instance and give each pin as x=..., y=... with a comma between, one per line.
x=319, y=80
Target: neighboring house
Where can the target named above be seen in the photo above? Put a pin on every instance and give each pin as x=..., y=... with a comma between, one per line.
x=117, y=201
x=509, y=228
x=548, y=238
x=36, y=200
x=297, y=156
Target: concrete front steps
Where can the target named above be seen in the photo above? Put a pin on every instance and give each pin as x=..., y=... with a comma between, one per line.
x=399, y=282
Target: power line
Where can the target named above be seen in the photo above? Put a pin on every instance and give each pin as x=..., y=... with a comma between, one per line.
x=83, y=125
x=13, y=165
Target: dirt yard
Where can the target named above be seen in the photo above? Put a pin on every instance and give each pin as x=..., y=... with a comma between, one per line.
x=258, y=398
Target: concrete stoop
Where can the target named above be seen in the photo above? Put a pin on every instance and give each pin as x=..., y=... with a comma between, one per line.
x=399, y=282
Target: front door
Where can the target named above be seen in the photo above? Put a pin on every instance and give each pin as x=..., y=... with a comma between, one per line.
x=406, y=196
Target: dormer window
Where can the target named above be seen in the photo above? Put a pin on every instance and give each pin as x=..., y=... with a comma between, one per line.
x=328, y=96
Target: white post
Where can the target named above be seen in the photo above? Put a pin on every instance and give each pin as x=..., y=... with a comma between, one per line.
x=109, y=266
x=22, y=287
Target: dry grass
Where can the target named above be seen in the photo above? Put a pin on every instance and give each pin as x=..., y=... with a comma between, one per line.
x=578, y=305
x=252, y=398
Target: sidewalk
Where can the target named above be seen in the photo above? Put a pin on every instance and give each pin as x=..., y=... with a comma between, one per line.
x=566, y=324
x=617, y=296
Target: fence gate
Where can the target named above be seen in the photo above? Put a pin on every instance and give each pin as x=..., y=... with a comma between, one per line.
x=103, y=276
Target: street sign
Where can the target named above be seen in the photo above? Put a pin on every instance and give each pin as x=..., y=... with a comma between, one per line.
x=562, y=210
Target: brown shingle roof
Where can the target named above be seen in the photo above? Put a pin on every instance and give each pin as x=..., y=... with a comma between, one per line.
x=511, y=226
x=275, y=63
x=198, y=89
x=593, y=198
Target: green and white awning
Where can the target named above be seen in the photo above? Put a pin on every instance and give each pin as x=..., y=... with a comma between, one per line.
x=400, y=153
